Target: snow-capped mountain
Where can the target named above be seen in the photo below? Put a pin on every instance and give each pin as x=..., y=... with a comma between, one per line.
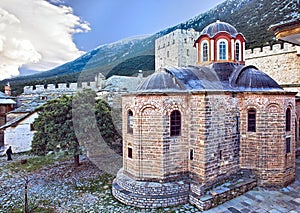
x=250, y=17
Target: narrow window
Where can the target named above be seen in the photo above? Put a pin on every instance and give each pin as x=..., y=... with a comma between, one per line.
x=288, y=145
x=251, y=120
x=191, y=154
x=222, y=50
x=130, y=122
x=187, y=52
x=205, y=52
x=237, y=51
x=129, y=152
x=288, y=120
x=175, y=120
x=168, y=54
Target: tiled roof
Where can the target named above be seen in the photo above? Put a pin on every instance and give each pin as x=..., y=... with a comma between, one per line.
x=15, y=121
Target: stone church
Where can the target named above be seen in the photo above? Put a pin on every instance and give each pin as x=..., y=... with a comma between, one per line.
x=187, y=130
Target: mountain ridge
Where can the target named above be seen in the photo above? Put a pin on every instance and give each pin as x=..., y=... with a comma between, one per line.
x=250, y=17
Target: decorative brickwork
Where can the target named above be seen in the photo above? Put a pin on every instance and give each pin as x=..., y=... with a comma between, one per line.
x=264, y=151
x=214, y=127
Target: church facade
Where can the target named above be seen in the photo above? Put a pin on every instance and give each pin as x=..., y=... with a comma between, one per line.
x=187, y=130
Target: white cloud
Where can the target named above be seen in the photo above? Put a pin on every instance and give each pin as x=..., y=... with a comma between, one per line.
x=37, y=35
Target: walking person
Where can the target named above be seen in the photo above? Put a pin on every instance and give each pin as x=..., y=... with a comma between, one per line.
x=9, y=153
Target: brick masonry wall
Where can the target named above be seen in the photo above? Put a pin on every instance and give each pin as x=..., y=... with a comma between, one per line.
x=222, y=145
x=264, y=151
x=156, y=155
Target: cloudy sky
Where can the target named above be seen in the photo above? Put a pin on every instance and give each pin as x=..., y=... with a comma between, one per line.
x=40, y=35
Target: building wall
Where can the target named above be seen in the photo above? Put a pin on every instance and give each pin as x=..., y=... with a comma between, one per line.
x=176, y=49
x=156, y=155
x=214, y=128
x=279, y=62
x=213, y=137
x=20, y=137
x=264, y=151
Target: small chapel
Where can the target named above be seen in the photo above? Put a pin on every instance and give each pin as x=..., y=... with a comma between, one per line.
x=189, y=130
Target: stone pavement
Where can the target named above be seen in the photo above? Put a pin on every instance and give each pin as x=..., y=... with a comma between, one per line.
x=261, y=200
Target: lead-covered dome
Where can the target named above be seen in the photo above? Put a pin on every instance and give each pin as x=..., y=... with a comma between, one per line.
x=249, y=78
x=219, y=26
x=161, y=80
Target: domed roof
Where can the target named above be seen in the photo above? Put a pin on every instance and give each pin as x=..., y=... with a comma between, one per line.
x=217, y=27
x=216, y=77
x=249, y=78
x=161, y=80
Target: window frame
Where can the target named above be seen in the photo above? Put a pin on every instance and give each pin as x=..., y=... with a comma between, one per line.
x=288, y=145
x=238, y=51
x=204, y=57
x=225, y=49
x=129, y=122
x=251, y=122
x=288, y=120
x=129, y=152
x=175, y=123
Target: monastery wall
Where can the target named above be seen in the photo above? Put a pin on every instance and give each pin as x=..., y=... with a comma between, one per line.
x=66, y=87
x=281, y=62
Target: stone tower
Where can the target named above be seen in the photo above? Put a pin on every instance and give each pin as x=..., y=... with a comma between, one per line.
x=176, y=49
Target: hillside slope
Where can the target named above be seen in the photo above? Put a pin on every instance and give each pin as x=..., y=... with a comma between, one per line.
x=251, y=17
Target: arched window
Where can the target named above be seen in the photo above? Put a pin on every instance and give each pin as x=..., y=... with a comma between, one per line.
x=237, y=51
x=288, y=120
x=222, y=49
x=130, y=122
x=175, y=123
x=251, y=120
x=205, y=51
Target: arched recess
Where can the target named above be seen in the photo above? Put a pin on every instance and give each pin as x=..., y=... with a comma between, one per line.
x=149, y=147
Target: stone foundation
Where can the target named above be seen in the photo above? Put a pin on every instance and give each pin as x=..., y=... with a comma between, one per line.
x=222, y=193
x=149, y=194
x=145, y=194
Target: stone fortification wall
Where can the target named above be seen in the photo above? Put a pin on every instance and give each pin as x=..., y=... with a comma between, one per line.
x=66, y=87
x=176, y=49
x=58, y=88
x=281, y=62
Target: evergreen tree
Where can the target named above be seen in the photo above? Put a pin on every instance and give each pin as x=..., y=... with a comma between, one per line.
x=70, y=122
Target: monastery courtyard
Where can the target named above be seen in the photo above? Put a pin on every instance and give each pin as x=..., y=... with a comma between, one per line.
x=262, y=200
x=63, y=197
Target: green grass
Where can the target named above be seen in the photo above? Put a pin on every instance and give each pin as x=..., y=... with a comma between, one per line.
x=35, y=163
x=101, y=183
